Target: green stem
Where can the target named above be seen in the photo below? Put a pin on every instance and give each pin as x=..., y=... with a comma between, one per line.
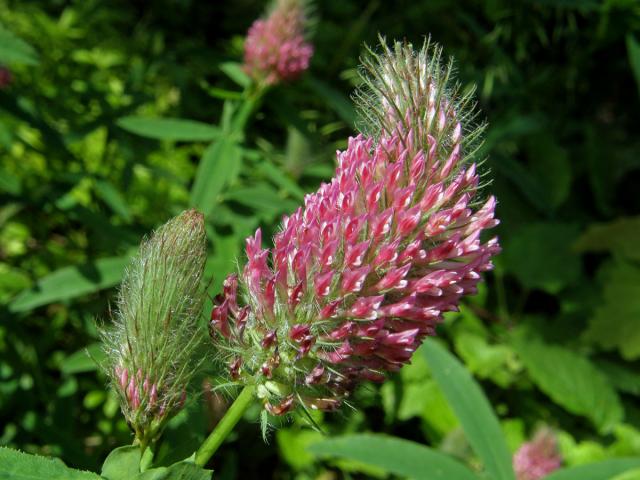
x=225, y=426
x=251, y=100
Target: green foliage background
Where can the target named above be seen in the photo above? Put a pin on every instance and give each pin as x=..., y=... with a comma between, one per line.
x=554, y=337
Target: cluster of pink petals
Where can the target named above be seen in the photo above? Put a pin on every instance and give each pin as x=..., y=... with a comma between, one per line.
x=537, y=458
x=275, y=49
x=144, y=396
x=361, y=274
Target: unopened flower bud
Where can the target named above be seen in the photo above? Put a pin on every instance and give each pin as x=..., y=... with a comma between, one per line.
x=151, y=346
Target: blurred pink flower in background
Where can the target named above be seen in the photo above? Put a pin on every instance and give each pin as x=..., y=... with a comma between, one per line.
x=275, y=49
x=537, y=458
x=5, y=77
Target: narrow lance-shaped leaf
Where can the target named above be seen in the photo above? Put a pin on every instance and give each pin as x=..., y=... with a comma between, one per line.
x=633, y=49
x=14, y=50
x=176, y=129
x=71, y=282
x=394, y=455
x=219, y=165
x=87, y=359
x=234, y=71
x=336, y=100
x=472, y=408
x=113, y=198
x=604, y=470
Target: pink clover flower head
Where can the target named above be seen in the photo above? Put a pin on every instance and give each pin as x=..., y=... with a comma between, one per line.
x=275, y=49
x=537, y=458
x=361, y=273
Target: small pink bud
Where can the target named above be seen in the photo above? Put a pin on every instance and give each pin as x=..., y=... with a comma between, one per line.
x=234, y=368
x=269, y=339
x=219, y=316
x=153, y=396
x=353, y=280
x=131, y=389
x=135, y=402
x=353, y=229
x=323, y=283
x=394, y=279
x=330, y=309
x=366, y=307
x=327, y=254
x=295, y=295
x=408, y=221
x=124, y=378
x=281, y=408
x=355, y=254
x=381, y=224
x=298, y=332
x=345, y=330
x=315, y=375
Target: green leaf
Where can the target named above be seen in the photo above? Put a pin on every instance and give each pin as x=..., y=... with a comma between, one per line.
x=219, y=165
x=71, y=282
x=235, y=72
x=616, y=321
x=335, y=99
x=10, y=183
x=185, y=470
x=14, y=50
x=176, y=129
x=293, y=444
x=526, y=184
x=394, y=455
x=630, y=475
x=604, y=470
x=123, y=463
x=621, y=377
x=15, y=465
x=183, y=434
x=281, y=179
x=495, y=362
x=422, y=396
x=426, y=400
x=551, y=166
x=85, y=360
x=622, y=236
x=220, y=93
x=571, y=380
x=472, y=408
x=524, y=250
x=113, y=198
x=262, y=198
x=633, y=50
